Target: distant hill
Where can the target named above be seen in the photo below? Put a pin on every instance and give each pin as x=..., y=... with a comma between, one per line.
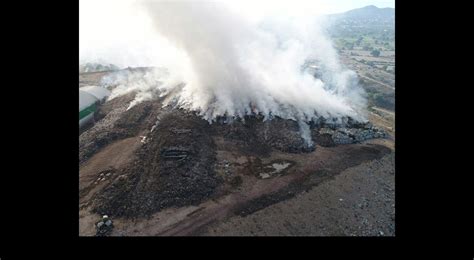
x=96, y=67
x=370, y=12
x=368, y=20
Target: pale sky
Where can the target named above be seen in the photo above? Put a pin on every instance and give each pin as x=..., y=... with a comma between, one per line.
x=305, y=7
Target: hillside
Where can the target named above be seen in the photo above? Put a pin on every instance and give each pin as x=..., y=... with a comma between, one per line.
x=368, y=21
x=96, y=67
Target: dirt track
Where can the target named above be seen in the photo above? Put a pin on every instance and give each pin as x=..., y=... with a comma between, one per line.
x=376, y=81
x=357, y=202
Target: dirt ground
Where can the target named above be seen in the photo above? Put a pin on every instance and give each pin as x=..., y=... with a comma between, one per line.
x=359, y=201
x=159, y=171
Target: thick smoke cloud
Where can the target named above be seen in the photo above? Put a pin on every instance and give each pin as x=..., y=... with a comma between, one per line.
x=232, y=66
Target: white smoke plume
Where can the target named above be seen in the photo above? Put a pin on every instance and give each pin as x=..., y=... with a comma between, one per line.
x=229, y=65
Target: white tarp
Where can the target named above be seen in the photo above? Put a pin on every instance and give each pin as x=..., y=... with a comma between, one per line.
x=99, y=92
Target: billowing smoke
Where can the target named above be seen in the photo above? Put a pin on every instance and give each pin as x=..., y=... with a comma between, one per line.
x=228, y=65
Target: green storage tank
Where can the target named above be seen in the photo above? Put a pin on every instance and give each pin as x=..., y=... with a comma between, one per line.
x=89, y=98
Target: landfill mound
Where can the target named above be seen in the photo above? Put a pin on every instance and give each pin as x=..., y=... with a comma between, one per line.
x=174, y=168
x=175, y=165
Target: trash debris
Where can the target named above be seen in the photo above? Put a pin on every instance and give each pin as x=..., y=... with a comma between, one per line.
x=180, y=131
x=174, y=153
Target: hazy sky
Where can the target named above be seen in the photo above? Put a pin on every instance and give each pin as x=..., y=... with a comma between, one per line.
x=305, y=7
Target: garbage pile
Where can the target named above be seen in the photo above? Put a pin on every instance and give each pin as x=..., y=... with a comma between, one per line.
x=326, y=136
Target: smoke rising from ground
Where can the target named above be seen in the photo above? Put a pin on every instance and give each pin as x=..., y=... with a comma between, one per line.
x=228, y=65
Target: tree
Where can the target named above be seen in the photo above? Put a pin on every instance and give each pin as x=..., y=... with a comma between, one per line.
x=375, y=53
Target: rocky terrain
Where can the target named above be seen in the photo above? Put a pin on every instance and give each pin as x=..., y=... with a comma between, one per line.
x=160, y=171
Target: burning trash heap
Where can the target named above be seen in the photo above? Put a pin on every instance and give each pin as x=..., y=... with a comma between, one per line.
x=260, y=86
x=271, y=68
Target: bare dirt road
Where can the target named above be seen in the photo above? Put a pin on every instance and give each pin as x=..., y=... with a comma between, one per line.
x=357, y=202
x=376, y=81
